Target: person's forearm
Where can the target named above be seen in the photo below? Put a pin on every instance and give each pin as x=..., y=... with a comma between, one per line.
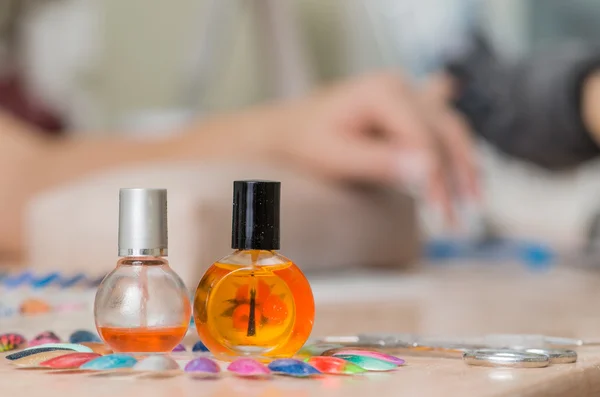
x=245, y=136
x=30, y=164
x=71, y=159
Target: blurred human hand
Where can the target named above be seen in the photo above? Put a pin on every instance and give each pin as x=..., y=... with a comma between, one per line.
x=376, y=129
x=380, y=129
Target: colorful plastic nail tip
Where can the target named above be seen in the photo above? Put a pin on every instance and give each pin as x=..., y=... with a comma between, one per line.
x=71, y=360
x=248, y=367
x=199, y=347
x=98, y=347
x=34, y=350
x=10, y=342
x=370, y=353
x=40, y=342
x=156, y=363
x=368, y=363
x=292, y=367
x=83, y=336
x=69, y=346
x=316, y=350
x=44, y=338
x=112, y=361
x=202, y=367
x=334, y=365
x=179, y=348
x=34, y=360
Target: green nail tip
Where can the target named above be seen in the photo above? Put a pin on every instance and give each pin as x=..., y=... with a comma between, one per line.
x=368, y=363
x=352, y=368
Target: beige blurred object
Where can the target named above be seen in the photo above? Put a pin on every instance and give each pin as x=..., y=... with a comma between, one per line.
x=74, y=228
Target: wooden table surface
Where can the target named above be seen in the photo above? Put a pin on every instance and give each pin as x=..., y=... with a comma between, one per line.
x=450, y=300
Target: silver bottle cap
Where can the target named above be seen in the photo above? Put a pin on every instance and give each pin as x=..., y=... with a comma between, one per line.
x=143, y=222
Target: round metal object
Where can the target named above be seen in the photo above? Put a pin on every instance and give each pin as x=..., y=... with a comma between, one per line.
x=505, y=358
x=557, y=356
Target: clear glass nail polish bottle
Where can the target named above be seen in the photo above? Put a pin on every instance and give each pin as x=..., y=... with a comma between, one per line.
x=142, y=305
x=255, y=301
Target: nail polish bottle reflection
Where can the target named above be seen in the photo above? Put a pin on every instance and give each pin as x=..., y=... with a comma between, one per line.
x=254, y=301
x=142, y=305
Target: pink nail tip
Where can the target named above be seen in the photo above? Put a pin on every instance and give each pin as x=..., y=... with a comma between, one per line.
x=72, y=360
x=248, y=367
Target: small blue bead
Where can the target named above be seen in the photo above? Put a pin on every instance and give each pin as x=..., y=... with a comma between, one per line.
x=83, y=336
x=199, y=347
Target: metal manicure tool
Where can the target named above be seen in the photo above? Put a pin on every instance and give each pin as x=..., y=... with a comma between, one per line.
x=498, y=350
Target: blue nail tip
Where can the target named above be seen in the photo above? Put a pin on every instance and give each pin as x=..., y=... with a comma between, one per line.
x=292, y=367
x=111, y=361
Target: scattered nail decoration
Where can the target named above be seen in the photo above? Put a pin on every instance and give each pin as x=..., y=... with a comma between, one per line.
x=111, y=361
x=34, y=306
x=292, y=367
x=199, y=347
x=158, y=362
x=69, y=346
x=316, y=350
x=368, y=363
x=202, y=367
x=67, y=361
x=98, y=347
x=34, y=360
x=368, y=353
x=179, y=348
x=34, y=350
x=248, y=367
x=334, y=365
x=10, y=342
x=84, y=336
x=44, y=338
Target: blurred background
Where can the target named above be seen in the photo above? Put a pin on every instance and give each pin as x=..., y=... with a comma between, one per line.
x=108, y=85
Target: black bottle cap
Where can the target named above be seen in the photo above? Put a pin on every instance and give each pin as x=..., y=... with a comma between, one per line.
x=255, y=215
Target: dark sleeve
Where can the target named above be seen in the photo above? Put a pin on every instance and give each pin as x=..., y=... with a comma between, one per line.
x=530, y=110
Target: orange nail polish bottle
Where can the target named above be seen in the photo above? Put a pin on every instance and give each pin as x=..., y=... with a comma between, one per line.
x=255, y=301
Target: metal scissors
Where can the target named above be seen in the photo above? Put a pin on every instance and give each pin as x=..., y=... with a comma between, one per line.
x=505, y=350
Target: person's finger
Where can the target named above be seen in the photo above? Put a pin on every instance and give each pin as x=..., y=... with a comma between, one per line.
x=377, y=162
x=454, y=136
x=453, y=131
x=441, y=196
x=390, y=105
x=397, y=111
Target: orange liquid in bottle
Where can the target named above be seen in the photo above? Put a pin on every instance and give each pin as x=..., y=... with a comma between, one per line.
x=143, y=339
x=254, y=310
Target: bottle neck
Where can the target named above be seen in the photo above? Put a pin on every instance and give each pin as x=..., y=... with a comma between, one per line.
x=156, y=252
x=142, y=260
